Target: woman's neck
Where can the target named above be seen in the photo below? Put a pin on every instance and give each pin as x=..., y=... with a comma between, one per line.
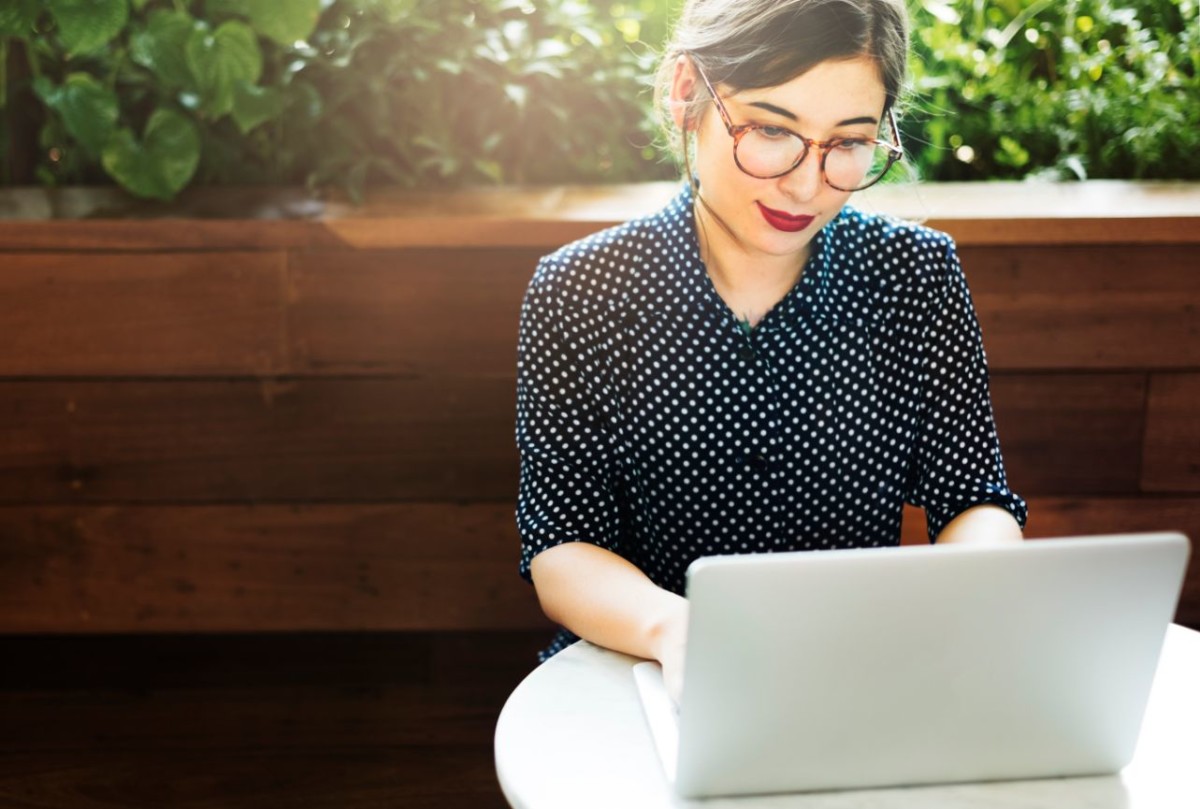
x=750, y=284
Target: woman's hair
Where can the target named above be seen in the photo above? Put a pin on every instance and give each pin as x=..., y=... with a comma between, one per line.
x=751, y=44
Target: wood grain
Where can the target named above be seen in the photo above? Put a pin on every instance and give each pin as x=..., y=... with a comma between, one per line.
x=98, y=314
x=1070, y=433
x=450, y=312
x=261, y=411
x=352, y=439
x=416, y=566
x=242, y=777
x=456, y=311
x=1087, y=307
x=304, y=721
x=207, y=441
x=1173, y=434
x=427, y=566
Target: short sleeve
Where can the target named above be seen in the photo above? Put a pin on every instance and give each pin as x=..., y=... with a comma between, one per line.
x=957, y=463
x=566, y=479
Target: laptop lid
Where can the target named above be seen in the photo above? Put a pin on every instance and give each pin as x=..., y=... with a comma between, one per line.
x=892, y=666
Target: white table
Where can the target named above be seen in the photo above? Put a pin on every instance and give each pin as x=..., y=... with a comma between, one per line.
x=572, y=736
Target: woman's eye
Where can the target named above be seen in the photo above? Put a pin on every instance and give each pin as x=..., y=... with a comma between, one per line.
x=850, y=144
x=773, y=132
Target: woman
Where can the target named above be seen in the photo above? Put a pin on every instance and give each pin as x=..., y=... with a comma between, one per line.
x=757, y=367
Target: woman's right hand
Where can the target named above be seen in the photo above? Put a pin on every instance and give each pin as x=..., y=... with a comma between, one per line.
x=670, y=646
x=606, y=599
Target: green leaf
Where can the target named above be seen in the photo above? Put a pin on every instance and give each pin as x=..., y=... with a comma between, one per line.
x=17, y=17
x=490, y=169
x=161, y=163
x=1011, y=153
x=220, y=59
x=224, y=8
x=161, y=47
x=285, y=21
x=89, y=110
x=252, y=105
x=88, y=25
x=397, y=11
x=944, y=11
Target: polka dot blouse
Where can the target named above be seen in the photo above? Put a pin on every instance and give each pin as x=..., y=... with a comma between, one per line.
x=651, y=423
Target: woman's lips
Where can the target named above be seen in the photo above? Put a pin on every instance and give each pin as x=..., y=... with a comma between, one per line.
x=784, y=221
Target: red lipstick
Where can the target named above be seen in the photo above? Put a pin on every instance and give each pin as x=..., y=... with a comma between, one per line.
x=784, y=221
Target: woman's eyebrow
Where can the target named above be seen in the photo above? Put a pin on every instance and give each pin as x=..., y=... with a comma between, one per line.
x=764, y=105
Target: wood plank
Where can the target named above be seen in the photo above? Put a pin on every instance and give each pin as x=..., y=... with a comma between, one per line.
x=183, y=313
x=155, y=236
x=1139, y=307
x=408, y=311
x=262, y=690
x=1070, y=516
x=349, y=439
x=354, y=568
x=344, y=720
x=416, y=566
x=249, y=777
x=205, y=441
x=144, y=661
x=1087, y=307
x=1173, y=434
x=364, y=714
x=1099, y=212
x=1070, y=433
x=137, y=314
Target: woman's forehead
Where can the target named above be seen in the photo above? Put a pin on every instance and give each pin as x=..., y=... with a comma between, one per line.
x=830, y=92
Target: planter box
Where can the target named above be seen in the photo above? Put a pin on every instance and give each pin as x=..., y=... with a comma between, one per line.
x=252, y=410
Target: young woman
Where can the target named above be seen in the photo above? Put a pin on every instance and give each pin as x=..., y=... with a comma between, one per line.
x=759, y=366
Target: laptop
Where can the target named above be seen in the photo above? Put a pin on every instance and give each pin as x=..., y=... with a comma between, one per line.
x=852, y=669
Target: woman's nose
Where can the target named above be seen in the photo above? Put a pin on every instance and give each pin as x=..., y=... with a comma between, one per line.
x=804, y=182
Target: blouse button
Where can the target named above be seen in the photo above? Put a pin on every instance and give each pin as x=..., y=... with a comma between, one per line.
x=758, y=462
x=747, y=353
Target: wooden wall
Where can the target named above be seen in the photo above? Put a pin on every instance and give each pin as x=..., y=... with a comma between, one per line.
x=257, y=412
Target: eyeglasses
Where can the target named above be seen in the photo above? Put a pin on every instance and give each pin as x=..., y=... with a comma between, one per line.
x=847, y=164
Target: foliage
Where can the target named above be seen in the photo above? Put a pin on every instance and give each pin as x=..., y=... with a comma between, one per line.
x=1067, y=89
x=159, y=94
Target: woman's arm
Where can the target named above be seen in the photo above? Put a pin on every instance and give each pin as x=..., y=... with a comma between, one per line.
x=980, y=525
x=957, y=473
x=607, y=600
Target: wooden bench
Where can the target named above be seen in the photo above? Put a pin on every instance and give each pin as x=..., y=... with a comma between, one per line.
x=253, y=411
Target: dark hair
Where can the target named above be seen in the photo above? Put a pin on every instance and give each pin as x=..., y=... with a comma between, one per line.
x=750, y=44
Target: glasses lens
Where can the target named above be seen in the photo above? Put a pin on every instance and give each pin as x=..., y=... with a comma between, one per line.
x=849, y=165
x=854, y=164
x=769, y=151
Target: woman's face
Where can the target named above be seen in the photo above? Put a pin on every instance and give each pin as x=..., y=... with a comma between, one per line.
x=834, y=99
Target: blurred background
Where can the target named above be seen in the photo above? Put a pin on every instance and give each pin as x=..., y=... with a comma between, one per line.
x=158, y=95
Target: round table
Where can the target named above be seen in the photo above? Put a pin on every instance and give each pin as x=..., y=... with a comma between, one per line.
x=572, y=736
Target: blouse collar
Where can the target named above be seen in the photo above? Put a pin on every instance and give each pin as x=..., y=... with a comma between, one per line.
x=813, y=292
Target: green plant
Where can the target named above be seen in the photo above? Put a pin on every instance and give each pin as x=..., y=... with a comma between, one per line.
x=469, y=91
x=158, y=95
x=135, y=87
x=1067, y=89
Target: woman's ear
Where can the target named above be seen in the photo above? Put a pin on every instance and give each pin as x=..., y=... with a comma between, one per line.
x=683, y=85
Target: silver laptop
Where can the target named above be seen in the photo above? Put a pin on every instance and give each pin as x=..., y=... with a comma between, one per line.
x=899, y=666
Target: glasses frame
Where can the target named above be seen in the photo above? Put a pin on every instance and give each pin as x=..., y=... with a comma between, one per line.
x=738, y=131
